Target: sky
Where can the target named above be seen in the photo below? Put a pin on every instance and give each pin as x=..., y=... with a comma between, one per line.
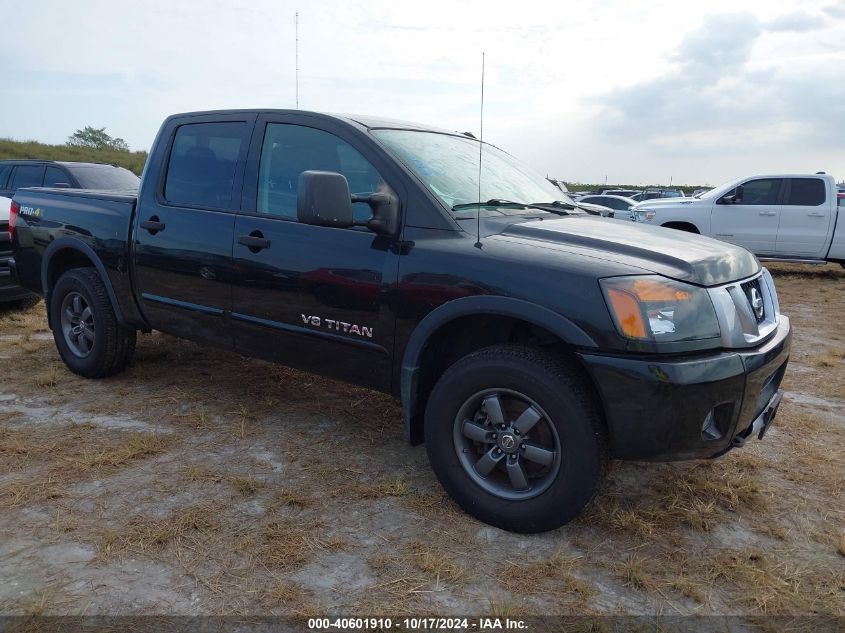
x=642, y=92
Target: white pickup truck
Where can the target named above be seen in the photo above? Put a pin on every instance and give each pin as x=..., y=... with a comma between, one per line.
x=788, y=217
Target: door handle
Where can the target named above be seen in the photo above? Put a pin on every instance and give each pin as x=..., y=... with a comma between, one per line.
x=255, y=241
x=768, y=212
x=153, y=225
x=816, y=214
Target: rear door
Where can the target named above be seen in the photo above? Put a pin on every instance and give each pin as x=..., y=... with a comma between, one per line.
x=806, y=218
x=311, y=296
x=751, y=221
x=184, y=226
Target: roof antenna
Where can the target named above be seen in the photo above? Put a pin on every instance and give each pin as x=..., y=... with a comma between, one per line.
x=296, y=28
x=480, y=146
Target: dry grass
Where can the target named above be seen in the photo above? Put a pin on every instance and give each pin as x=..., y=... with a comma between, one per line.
x=142, y=534
x=246, y=486
x=554, y=575
x=288, y=545
x=637, y=572
x=438, y=563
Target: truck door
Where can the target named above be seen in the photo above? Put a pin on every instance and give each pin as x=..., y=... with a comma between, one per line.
x=752, y=220
x=806, y=218
x=184, y=226
x=309, y=296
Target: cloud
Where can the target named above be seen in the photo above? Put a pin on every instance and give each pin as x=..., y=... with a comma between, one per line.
x=796, y=22
x=721, y=44
x=715, y=94
x=836, y=11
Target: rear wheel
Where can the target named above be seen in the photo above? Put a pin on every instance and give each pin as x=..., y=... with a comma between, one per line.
x=516, y=438
x=90, y=340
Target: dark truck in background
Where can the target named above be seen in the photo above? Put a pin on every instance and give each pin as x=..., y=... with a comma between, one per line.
x=527, y=341
x=22, y=173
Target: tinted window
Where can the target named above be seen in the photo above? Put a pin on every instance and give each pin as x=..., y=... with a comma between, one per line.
x=842, y=202
x=806, y=191
x=105, y=177
x=289, y=150
x=5, y=170
x=53, y=176
x=203, y=159
x=26, y=176
x=760, y=192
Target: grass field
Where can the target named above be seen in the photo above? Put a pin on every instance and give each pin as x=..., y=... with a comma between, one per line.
x=200, y=482
x=133, y=161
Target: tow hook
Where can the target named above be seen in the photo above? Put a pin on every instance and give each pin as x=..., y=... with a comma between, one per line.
x=761, y=423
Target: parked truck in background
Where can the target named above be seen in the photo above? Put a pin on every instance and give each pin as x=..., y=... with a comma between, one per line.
x=787, y=217
x=527, y=341
x=16, y=174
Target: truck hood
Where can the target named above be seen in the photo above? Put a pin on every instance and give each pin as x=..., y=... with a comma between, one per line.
x=663, y=202
x=676, y=254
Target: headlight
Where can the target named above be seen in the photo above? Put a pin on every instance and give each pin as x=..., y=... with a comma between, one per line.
x=653, y=308
x=644, y=215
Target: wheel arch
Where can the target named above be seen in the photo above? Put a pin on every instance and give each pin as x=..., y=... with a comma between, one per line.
x=682, y=225
x=66, y=253
x=465, y=325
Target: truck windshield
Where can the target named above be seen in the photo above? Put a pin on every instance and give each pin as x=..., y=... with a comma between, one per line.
x=448, y=165
x=105, y=177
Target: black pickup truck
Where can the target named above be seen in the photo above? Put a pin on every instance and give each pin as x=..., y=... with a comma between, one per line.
x=527, y=341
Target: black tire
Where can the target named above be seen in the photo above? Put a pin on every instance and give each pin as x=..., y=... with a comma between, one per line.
x=568, y=405
x=112, y=345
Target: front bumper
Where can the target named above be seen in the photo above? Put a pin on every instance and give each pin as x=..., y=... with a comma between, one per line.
x=688, y=408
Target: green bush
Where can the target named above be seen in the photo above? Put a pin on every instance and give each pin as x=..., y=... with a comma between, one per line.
x=133, y=161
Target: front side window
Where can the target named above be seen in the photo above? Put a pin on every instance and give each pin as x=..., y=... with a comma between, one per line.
x=288, y=150
x=761, y=192
x=27, y=176
x=203, y=163
x=808, y=192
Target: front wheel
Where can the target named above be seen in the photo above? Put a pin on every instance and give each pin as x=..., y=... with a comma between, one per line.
x=90, y=340
x=516, y=438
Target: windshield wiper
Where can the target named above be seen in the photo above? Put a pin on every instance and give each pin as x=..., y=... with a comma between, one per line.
x=552, y=207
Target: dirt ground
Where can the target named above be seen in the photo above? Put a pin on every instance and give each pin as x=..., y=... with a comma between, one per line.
x=199, y=482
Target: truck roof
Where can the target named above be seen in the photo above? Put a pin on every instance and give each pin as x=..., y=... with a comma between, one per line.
x=364, y=121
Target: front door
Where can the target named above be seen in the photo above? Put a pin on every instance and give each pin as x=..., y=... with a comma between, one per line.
x=752, y=221
x=310, y=296
x=184, y=229
x=806, y=217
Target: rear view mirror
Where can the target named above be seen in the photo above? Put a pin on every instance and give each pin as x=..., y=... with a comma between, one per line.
x=323, y=199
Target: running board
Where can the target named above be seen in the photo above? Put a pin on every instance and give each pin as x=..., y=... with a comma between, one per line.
x=791, y=260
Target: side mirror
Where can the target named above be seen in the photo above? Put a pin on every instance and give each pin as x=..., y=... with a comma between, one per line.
x=323, y=199
x=385, y=206
x=732, y=198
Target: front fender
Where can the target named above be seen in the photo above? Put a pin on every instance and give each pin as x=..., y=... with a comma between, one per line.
x=555, y=323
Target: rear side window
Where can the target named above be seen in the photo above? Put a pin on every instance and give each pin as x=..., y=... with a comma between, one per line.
x=203, y=160
x=55, y=176
x=806, y=192
x=105, y=177
x=26, y=176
